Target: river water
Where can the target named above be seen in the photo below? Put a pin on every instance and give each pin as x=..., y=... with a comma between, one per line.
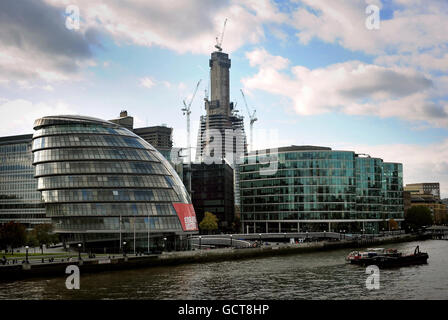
x=320, y=275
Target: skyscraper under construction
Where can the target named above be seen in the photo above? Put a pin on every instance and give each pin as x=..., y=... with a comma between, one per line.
x=221, y=135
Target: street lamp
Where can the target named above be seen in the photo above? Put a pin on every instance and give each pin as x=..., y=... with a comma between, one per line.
x=343, y=233
x=259, y=235
x=164, y=243
x=325, y=234
x=231, y=237
x=27, y=254
x=200, y=247
x=124, y=248
x=306, y=236
x=79, y=251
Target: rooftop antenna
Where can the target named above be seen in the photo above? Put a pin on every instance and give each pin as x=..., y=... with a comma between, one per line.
x=219, y=41
x=252, y=118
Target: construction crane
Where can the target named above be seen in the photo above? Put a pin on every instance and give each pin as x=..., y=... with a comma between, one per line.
x=187, y=111
x=252, y=118
x=219, y=42
x=235, y=110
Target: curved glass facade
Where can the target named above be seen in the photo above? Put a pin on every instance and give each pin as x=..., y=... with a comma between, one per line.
x=101, y=182
x=316, y=188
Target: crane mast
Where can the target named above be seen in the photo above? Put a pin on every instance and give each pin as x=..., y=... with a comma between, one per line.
x=219, y=41
x=187, y=111
x=252, y=119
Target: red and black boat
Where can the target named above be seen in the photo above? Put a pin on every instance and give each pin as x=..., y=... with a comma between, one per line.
x=387, y=258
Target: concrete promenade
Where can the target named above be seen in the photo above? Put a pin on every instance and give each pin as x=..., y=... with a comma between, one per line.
x=118, y=262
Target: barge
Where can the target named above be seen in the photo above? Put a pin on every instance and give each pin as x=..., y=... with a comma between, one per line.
x=387, y=258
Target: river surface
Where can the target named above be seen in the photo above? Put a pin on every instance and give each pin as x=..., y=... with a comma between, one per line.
x=320, y=275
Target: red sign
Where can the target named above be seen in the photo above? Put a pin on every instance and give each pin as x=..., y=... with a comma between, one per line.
x=187, y=216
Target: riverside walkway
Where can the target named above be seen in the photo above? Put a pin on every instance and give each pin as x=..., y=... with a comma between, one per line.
x=101, y=263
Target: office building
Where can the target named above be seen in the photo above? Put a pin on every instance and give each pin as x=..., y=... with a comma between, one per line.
x=212, y=191
x=160, y=137
x=19, y=199
x=310, y=188
x=102, y=184
x=428, y=195
x=425, y=188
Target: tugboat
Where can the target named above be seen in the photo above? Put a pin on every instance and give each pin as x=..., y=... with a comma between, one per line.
x=387, y=258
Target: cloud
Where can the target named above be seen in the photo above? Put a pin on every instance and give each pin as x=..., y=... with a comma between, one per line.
x=18, y=115
x=182, y=26
x=35, y=45
x=434, y=60
x=147, y=82
x=351, y=87
x=415, y=35
x=421, y=163
x=414, y=25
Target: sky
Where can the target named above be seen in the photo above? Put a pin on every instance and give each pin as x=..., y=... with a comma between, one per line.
x=317, y=72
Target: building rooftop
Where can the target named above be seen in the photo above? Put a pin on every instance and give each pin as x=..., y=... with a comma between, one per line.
x=15, y=139
x=296, y=148
x=70, y=119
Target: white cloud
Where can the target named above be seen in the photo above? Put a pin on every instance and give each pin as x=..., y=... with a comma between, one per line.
x=147, y=82
x=421, y=163
x=351, y=87
x=433, y=60
x=414, y=26
x=182, y=26
x=17, y=116
x=414, y=36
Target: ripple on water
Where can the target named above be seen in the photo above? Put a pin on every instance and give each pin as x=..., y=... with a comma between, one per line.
x=320, y=275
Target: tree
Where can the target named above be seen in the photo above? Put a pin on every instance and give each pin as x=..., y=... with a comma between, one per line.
x=417, y=217
x=12, y=234
x=393, y=225
x=236, y=224
x=43, y=234
x=31, y=240
x=209, y=223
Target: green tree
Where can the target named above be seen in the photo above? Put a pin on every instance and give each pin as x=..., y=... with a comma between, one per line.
x=43, y=234
x=12, y=234
x=417, y=217
x=31, y=239
x=209, y=223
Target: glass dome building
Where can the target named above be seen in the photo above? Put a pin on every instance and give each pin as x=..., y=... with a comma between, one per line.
x=104, y=186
